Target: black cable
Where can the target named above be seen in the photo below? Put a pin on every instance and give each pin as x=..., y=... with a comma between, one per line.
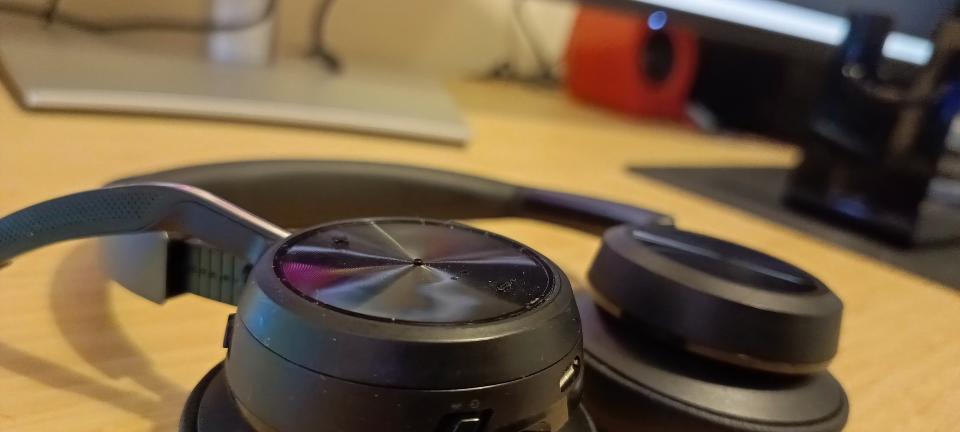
x=539, y=53
x=51, y=15
x=318, y=47
x=546, y=68
x=52, y=7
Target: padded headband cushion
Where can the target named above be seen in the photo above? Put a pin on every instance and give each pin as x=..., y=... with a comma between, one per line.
x=303, y=193
x=300, y=193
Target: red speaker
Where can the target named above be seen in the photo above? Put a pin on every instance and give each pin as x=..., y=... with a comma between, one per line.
x=635, y=63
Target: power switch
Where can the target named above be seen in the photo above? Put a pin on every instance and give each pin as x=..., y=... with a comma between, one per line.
x=467, y=424
x=228, y=332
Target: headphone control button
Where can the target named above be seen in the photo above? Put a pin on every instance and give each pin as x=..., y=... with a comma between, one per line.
x=228, y=332
x=468, y=423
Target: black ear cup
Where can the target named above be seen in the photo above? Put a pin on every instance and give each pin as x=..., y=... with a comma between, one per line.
x=698, y=334
x=399, y=325
x=632, y=384
x=719, y=299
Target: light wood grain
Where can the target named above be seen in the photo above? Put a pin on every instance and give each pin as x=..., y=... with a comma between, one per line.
x=79, y=353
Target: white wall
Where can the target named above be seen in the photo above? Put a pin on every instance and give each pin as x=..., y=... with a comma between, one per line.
x=448, y=38
x=444, y=37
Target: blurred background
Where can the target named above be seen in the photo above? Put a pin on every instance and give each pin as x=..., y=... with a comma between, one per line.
x=821, y=132
x=866, y=90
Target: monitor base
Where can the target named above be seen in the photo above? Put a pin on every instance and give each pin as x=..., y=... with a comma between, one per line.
x=63, y=69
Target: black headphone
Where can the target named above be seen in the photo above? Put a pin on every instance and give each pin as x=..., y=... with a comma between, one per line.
x=417, y=324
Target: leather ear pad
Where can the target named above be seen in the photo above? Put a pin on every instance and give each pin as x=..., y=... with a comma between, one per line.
x=719, y=299
x=212, y=408
x=635, y=385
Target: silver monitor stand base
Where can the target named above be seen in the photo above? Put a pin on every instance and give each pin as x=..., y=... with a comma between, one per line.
x=62, y=69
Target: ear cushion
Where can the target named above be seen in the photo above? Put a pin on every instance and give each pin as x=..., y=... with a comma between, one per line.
x=211, y=408
x=719, y=299
x=632, y=385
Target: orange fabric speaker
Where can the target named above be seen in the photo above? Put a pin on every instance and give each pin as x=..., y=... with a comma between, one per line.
x=634, y=63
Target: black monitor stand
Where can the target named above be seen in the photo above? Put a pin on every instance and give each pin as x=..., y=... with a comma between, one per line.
x=875, y=148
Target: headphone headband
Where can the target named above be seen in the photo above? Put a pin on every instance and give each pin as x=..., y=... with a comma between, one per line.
x=300, y=193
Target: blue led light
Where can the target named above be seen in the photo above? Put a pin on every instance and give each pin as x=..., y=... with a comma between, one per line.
x=792, y=20
x=657, y=20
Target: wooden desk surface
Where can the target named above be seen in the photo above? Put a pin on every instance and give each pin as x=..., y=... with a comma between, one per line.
x=78, y=353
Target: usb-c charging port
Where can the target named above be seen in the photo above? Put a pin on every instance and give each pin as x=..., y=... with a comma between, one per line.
x=569, y=376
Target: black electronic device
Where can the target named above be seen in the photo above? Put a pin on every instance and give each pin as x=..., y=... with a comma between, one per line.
x=416, y=324
x=874, y=146
x=761, y=63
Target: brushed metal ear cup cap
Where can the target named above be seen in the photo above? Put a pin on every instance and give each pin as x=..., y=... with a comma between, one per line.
x=414, y=273
x=718, y=299
x=423, y=322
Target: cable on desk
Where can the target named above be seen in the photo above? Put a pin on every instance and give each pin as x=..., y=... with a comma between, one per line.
x=545, y=68
x=52, y=7
x=539, y=53
x=318, y=47
x=51, y=15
